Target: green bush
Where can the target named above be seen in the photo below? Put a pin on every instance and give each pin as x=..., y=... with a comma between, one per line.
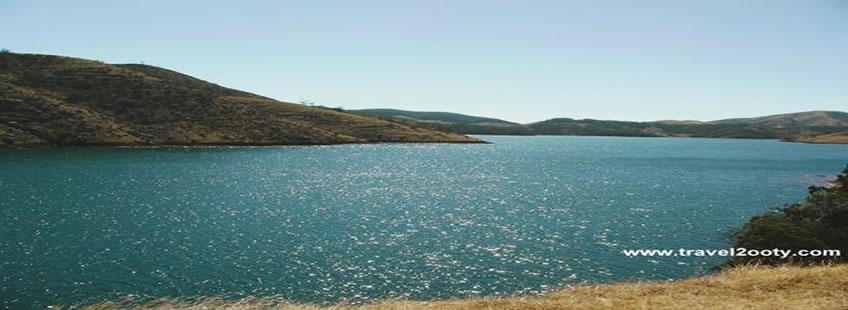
x=820, y=222
x=4, y=51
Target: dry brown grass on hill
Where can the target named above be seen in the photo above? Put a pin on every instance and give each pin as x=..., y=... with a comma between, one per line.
x=834, y=138
x=57, y=101
x=739, y=288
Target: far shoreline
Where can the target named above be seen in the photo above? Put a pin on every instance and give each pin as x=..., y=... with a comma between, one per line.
x=225, y=145
x=476, y=141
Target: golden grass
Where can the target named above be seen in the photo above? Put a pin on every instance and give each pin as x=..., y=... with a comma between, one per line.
x=835, y=138
x=57, y=101
x=740, y=288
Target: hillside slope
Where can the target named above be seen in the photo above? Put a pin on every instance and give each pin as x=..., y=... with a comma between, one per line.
x=740, y=288
x=54, y=100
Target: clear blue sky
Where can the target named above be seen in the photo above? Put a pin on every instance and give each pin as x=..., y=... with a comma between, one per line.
x=518, y=60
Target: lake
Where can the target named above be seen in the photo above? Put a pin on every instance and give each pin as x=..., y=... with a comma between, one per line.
x=362, y=222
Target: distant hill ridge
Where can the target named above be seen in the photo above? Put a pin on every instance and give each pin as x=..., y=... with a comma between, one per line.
x=781, y=126
x=794, y=120
x=53, y=100
x=437, y=117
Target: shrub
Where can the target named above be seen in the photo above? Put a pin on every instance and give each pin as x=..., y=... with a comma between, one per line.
x=820, y=222
x=4, y=51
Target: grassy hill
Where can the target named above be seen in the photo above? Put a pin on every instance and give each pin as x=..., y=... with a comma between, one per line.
x=53, y=100
x=739, y=288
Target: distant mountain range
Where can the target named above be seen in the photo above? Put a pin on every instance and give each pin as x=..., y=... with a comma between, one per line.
x=435, y=117
x=792, y=126
x=794, y=120
x=53, y=101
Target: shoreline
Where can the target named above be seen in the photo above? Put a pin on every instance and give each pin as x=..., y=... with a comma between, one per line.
x=224, y=145
x=475, y=141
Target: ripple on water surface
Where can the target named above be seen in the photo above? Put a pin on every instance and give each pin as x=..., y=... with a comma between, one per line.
x=358, y=222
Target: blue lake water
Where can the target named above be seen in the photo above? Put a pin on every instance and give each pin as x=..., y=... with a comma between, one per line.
x=360, y=222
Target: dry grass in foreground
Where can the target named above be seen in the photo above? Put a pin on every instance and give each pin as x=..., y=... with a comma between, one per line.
x=740, y=288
